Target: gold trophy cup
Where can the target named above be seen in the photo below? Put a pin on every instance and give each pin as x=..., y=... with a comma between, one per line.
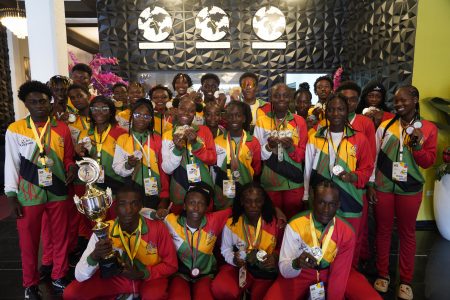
x=94, y=204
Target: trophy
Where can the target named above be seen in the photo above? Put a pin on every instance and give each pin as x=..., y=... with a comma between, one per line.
x=94, y=204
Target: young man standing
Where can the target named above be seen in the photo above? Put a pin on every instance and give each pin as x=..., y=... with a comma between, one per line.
x=145, y=248
x=316, y=254
x=249, y=85
x=38, y=167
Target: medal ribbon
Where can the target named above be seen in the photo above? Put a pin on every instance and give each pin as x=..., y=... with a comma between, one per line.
x=249, y=238
x=137, y=241
x=146, y=155
x=402, y=137
x=194, y=251
x=38, y=139
x=337, y=149
x=100, y=140
x=327, y=237
x=233, y=154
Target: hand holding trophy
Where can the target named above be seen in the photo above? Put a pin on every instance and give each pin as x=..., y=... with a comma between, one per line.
x=94, y=204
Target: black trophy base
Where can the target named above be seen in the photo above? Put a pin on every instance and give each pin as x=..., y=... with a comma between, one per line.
x=109, y=267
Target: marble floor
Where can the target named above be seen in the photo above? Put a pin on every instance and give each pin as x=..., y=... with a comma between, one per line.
x=431, y=278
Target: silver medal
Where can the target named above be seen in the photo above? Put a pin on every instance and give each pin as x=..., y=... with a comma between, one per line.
x=236, y=174
x=137, y=154
x=337, y=169
x=195, y=272
x=261, y=255
x=317, y=253
x=49, y=162
x=72, y=118
x=417, y=124
x=409, y=130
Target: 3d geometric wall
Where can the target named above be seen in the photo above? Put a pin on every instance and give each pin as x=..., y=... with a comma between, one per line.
x=6, y=104
x=368, y=38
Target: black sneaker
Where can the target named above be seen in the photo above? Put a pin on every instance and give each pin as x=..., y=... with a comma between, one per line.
x=32, y=293
x=60, y=284
x=45, y=272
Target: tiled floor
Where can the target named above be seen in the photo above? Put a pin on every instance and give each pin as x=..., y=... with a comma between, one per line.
x=431, y=278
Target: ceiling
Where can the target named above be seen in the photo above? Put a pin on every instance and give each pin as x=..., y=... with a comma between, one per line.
x=81, y=22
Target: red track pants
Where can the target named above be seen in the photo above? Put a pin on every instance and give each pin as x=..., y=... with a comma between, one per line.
x=405, y=208
x=226, y=284
x=181, y=289
x=99, y=288
x=29, y=228
x=358, y=288
x=290, y=202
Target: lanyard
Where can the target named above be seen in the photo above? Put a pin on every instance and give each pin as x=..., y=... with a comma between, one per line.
x=256, y=239
x=100, y=140
x=337, y=149
x=194, y=251
x=233, y=154
x=38, y=139
x=83, y=123
x=402, y=137
x=327, y=238
x=146, y=155
x=282, y=122
x=137, y=241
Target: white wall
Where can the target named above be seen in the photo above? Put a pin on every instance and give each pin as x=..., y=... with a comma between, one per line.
x=82, y=56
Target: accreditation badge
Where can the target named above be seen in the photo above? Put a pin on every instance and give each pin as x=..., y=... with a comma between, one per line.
x=45, y=177
x=229, y=188
x=400, y=171
x=151, y=186
x=193, y=173
x=317, y=291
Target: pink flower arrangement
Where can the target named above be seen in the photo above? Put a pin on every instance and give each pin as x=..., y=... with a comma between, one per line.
x=337, y=77
x=102, y=81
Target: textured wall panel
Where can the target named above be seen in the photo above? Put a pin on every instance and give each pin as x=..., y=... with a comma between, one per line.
x=369, y=38
x=380, y=43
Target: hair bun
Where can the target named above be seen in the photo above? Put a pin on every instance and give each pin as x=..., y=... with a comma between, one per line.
x=304, y=86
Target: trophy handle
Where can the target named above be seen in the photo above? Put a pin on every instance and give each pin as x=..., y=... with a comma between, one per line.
x=109, y=197
x=78, y=204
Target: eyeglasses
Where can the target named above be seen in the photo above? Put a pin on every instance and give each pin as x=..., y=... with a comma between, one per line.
x=142, y=116
x=96, y=109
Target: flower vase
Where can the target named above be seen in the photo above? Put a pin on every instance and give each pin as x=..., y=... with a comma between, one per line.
x=442, y=206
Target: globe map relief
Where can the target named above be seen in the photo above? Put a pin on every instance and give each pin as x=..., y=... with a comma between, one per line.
x=269, y=23
x=213, y=23
x=156, y=24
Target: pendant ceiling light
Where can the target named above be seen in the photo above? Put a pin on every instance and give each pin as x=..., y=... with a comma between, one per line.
x=14, y=19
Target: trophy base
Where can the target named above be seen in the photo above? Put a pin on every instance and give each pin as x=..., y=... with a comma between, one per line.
x=110, y=267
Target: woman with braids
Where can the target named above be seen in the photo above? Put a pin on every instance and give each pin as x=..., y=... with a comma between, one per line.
x=138, y=155
x=99, y=141
x=374, y=95
x=283, y=138
x=160, y=96
x=135, y=92
x=302, y=98
x=404, y=144
x=338, y=153
x=250, y=243
x=238, y=153
x=182, y=84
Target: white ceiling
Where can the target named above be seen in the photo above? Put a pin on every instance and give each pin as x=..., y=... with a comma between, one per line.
x=91, y=33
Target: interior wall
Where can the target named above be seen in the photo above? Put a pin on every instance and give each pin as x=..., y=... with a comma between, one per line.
x=380, y=43
x=314, y=35
x=431, y=76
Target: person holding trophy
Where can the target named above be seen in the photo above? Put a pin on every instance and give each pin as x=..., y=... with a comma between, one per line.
x=250, y=243
x=283, y=138
x=144, y=254
x=187, y=153
x=38, y=167
x=137, y=156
